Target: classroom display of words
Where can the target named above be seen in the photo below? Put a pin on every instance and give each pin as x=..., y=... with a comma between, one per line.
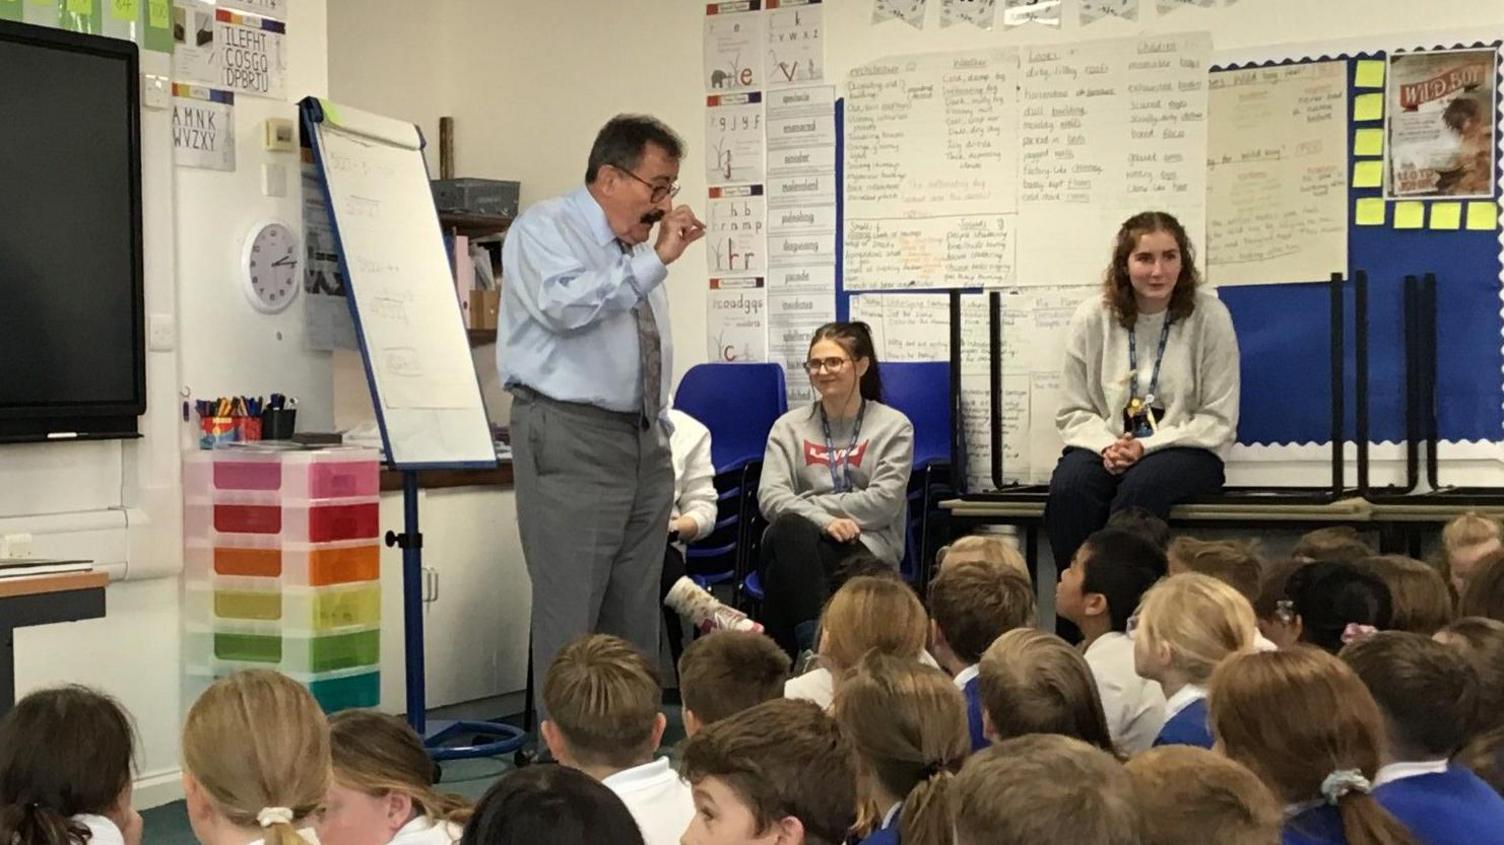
x=203, y=127
x=225, y=49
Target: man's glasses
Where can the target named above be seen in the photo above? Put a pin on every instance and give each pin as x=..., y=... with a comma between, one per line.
x=829, y=365
x=660, y=192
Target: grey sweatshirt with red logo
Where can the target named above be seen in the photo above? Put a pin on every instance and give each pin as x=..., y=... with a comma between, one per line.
x=797, y=473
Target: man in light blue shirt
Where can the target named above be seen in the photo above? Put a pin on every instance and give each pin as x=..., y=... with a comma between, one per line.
x=583, y=345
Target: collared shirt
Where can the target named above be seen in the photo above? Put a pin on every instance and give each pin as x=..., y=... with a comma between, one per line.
x=566, y=327
x=694, y=475
x=657, y=798
x=102, y=831
x=1134, y=706
x=1183, y=698
x=964, y=676
x=425, y=831
x=1400, y=771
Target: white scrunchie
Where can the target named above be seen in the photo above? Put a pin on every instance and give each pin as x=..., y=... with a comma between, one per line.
x=1343, y=781
x=274, y=815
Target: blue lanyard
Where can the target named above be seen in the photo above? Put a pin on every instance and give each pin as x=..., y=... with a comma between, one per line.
x=836, y=482
x=1159, y=357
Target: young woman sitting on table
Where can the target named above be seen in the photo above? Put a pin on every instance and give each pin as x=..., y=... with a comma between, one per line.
x=1150, y=404
x=835, y=481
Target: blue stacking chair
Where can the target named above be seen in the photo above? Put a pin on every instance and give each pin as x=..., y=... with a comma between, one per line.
x=739, y=403
x=921, y=390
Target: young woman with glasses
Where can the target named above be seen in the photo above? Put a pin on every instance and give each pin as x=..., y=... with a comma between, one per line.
x=834, y=483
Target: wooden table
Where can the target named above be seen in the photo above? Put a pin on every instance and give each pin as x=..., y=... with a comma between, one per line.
x=43, y=600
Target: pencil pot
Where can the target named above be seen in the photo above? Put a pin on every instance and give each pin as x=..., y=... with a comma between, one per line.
x=278, y=424
x=217, y=430
x=250, y=428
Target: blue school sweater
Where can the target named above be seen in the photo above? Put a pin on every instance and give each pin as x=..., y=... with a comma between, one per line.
x=1320, y=825
x=1188, y=727
x=887, y=834
x=973, y=692
x=1454, y=807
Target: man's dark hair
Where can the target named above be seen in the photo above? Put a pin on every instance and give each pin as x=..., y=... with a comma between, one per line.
x=1122, y=566
x=1143, y=523
x=624, y=138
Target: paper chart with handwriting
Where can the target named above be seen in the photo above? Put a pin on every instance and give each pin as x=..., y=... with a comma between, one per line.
x=930, y=171
x=1277, y=174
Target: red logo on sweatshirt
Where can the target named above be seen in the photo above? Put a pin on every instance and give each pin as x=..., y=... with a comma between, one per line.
x=815, y=454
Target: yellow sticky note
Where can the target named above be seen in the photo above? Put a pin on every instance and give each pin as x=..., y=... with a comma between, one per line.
x=1368, y=107
x=1409, y=215
x=125, y=10
x=157, y=12
x=1368, y=173
x=81, y=7
x=1370, y=211
x=1370, y=73
x=1446, y=215
x=1368, y=142
x=1482, y=216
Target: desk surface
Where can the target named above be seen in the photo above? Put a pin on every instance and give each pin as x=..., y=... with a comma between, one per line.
x=33, y=585
x=431, y=479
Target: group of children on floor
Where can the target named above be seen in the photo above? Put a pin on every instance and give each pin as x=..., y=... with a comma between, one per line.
x=1337, y=697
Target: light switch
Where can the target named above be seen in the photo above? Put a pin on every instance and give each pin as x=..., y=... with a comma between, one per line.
x=156, y=91
x=161, y=332
x=279, y=136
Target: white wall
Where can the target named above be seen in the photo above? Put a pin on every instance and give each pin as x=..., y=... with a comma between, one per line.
x=195, y=222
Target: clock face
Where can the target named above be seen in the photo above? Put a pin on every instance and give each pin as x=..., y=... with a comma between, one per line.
x=271, y=267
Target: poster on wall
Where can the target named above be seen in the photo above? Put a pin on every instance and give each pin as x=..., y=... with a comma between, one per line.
x=796, y=43
x=1095, y=10
x=329, y=323
x=910, y=12
x=978, y=13
x=266, y=8
x=736, y=320
x=734, y=37
x=1442, y=117
x=733, y=138
x=735, y=240
x=203, y=127
x=226, y=49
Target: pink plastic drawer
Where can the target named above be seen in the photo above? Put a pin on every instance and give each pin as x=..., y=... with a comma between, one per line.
x=297, y=520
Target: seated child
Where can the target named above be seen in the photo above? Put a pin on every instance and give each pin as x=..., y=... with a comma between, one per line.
x=1101, y=589
x=1033, y=682
x=1339, y=543
x=1233, y=562
x=1144, y=523
x=986, y=548
x=1275, y=611
x=1421, y=598
x=1333, y=601
x=1484, y=595
x=1465, y=542
x=1428, y=693
x=1192, y=796
x=868, y=612
x=726, y=672
x=780, y=772
x=66, y=759
x=558, y=805
x=908, y=724
x=1033, y=790
x=383, y=786
x=1304, y=722
x=1187, y=625
x=255, y=760
x=604, y=718
x=1481, y=641
x=972, y=604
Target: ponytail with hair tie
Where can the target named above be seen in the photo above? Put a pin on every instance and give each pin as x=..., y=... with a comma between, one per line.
x=1342, y=782
x=274, y=815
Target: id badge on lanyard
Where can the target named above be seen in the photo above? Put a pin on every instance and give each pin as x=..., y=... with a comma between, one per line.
x=841, y=482
x=1140, y=415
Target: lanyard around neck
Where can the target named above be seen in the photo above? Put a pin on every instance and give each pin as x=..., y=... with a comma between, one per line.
x=841, y=483
x=1159, y=357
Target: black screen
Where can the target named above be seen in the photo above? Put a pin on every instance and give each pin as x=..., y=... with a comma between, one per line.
x=70, y=231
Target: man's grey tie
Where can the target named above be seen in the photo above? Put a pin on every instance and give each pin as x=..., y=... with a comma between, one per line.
x=649, y=354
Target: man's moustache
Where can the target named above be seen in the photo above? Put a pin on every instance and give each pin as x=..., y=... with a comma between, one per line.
x=653, y=216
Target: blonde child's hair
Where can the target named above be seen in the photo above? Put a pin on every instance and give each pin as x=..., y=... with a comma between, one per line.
x=1045, y=788
x=1202, y=620
x=1469, y=529
x=1035, y=682
x=908, y=724
x=1304, y=722
x=603, y=695
x=377, y=753
x=869, y=613
x=986, y=549
x=258, y=745
x=1191, y=796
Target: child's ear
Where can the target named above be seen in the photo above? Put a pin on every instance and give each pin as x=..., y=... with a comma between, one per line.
x=554, y=739
x=1164, y=654
x=692, y=724
x=398, y=806
x=989, y=730
x=790, y=831
x=937, y=637
x=660, y=722
x=1094, y=604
